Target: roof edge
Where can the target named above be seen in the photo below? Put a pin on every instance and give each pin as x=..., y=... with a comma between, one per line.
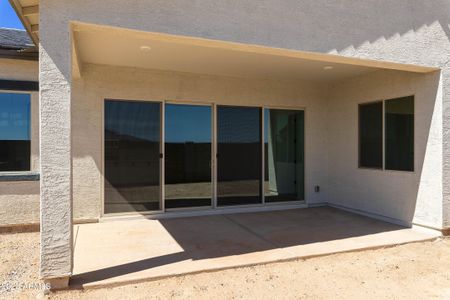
x=22, y=55
x=18, y=9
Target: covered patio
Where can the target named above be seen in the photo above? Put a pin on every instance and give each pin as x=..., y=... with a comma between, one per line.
x=123, y=251
x=280, y=132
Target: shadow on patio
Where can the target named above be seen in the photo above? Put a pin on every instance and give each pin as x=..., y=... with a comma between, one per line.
x=135, y=250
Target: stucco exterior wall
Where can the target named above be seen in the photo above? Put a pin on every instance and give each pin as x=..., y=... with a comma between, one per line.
x=405, y=31
x=414, y=32
x=100, y=82
x=405, y=197
x=408, y=31
x=19, y=201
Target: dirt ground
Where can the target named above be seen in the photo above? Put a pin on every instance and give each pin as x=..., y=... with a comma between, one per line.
x=412, y=271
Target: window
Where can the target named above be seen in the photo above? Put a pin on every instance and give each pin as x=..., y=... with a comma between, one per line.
x=399, y=134
x=15, y=145
x=398, y=131
x=371, y=135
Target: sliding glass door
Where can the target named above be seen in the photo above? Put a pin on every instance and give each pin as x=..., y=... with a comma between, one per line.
x=258, y=156
x=132, y=156
x=238, y=155
x=188, y=137
x=284, y=155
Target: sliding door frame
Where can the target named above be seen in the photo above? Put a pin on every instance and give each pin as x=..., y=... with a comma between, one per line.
x=194, y=208
x=261, y=189
x=213, y=206
x=297, y=201
x=161, y=160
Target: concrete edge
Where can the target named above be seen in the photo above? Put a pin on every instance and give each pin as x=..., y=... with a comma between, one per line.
x=372, y=215
x=244, y=265
x=57, y=283
x=35, y=227
x=421, y=227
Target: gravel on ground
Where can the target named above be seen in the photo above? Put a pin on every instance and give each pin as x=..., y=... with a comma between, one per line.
x=412, y=271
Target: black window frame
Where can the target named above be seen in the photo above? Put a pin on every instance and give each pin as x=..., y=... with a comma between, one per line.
x=383, y=116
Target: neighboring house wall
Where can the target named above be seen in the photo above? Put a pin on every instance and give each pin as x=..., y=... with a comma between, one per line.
x=19, y=200
x=403, y=196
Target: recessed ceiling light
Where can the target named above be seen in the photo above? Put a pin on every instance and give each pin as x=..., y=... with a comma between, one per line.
x=145, y=48
x=327, y=68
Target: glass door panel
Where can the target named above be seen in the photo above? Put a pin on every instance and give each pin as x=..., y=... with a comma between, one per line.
x=284, y=155
x=132, y=156
x=238, y=155
x=188, y=138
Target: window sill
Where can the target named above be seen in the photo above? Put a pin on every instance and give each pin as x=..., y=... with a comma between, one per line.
x=19, y=176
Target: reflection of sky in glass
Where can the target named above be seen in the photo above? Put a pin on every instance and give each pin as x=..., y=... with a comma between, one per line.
x=14, y=116
x=139, y=120
x=187, y=123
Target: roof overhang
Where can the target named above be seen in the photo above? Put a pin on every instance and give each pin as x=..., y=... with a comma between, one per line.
x=28, y=12
x=106, y=45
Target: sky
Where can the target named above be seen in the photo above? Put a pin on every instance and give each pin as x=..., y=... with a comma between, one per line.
x=14, y=116
x=8, y=17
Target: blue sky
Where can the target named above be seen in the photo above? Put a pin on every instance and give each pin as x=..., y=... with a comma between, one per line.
x=14, y=116
x=188, y=123
x=8, y=17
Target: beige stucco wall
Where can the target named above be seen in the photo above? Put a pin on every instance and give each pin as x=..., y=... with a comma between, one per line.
x=100, y=82
x=415, y=32
x=331, y=133
x=407, y=31
x=403, y=196
x=331, y=137
x=19, y=200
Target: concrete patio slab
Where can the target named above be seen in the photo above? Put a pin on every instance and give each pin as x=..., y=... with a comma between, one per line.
x=124, y=251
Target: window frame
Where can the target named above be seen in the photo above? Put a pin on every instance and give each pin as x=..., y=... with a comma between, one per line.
x=22, y=175
x=383, y=168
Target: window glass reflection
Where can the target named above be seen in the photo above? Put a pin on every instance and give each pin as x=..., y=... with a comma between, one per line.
x=15, y=145
x=371, y=135
x=132, y=156
x=399, y=136
x=187, y=156
x=239, y=155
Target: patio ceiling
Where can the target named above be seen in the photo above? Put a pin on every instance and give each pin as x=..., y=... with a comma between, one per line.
x=129, y=48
